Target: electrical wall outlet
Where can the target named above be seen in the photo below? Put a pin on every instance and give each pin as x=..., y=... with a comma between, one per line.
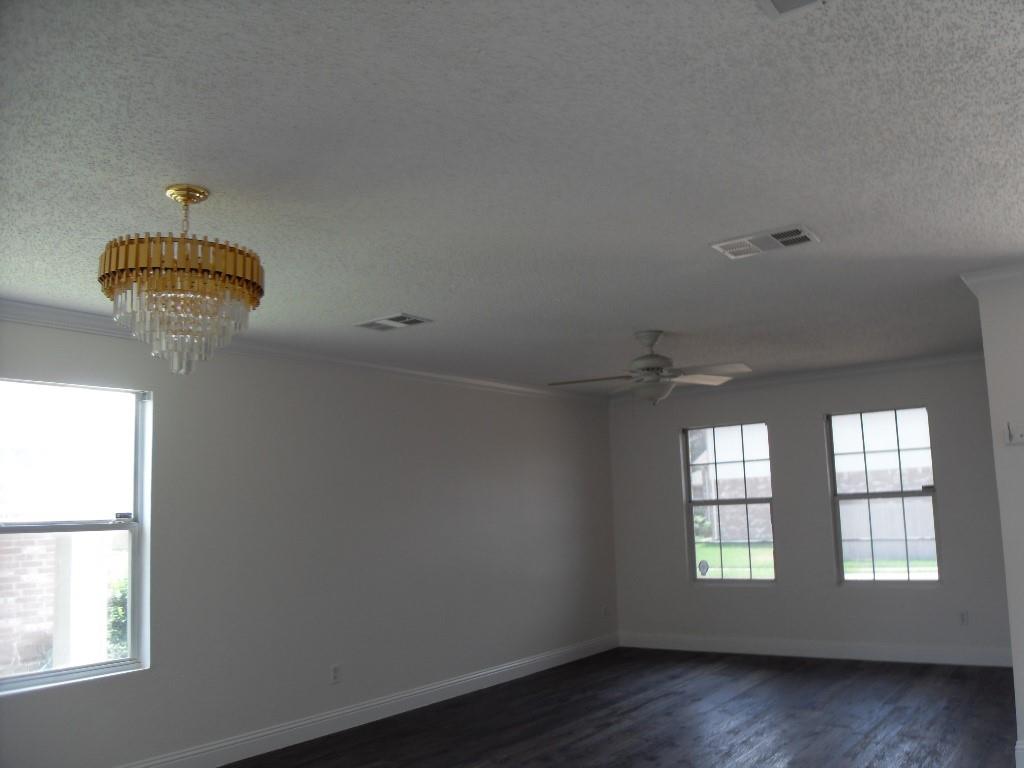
x=335, y=674
x=965, y=618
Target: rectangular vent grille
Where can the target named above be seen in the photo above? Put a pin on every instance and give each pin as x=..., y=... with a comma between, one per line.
x=391, y=322
x=751, y=245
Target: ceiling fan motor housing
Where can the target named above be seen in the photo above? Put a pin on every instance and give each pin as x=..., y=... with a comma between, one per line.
x=651, y=362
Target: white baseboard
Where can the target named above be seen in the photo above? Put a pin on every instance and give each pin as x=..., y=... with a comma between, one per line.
x=1018, y=754
x=987, y=656
x=218, y=753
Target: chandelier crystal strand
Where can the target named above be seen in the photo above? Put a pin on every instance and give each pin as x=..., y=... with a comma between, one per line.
x=183, y=296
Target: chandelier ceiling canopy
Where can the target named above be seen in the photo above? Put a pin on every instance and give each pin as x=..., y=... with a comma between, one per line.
x=183, y=295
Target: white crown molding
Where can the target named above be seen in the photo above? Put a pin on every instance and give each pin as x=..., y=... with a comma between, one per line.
x=985, y=656
x=25, y=313
x=223, y=751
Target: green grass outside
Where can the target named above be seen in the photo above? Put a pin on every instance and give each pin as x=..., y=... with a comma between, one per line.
x=734, y=564
x=736, y=561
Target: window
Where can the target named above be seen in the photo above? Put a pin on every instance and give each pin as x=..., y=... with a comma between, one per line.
x=73, y=469
x=729, y=501
x=883, y=491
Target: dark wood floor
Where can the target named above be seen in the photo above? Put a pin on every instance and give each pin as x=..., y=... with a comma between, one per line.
x=656, y=709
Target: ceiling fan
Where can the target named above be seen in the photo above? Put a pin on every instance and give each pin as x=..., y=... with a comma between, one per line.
x=653, y=376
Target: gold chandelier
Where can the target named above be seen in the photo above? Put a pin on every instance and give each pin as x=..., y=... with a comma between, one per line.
x=182, y=295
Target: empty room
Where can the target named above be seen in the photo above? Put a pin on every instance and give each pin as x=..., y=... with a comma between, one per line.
x=521, y=383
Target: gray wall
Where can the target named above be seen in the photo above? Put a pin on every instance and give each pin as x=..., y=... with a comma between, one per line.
x=307, y=514
x=806, y=611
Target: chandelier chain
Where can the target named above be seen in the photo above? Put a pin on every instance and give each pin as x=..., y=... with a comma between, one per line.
x=184, y=219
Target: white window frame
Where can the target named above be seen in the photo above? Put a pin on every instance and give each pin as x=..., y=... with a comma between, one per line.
x=138, y=530
x=928, y=490
x=691, y=503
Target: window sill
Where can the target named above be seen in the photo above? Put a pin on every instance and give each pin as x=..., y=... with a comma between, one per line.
x=38, y=680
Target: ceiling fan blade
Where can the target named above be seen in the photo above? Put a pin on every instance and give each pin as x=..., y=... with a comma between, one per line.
x=588, y=381
x=722, y=369
x=701, y=378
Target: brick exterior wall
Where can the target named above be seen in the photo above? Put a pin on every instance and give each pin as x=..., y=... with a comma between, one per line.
x=28, y=573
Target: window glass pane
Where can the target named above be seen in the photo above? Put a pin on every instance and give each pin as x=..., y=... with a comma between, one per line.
x=888, y=539
x=735, y=546
x=762, y=547
x=857, y=564
x=850, y=476
x=853, y=520
x=917, y=469
x=855, y=530
x=702, y=482
x=730, y=481
x=879, y=431
x=759, y=479
x=755, y=441
x=913, y=427
x=728, y=444
x=706, y=542
x=68, y=453
x=702, y=446
x=846, y=434
x=883, y=471
x=63, y=599
x=920, y=519
x=924, y=564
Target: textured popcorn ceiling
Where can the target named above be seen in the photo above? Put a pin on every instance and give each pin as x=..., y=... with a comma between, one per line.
x=540, y=178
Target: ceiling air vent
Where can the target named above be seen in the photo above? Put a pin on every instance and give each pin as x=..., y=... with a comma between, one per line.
x=751, y=245
x=391, y=322
x=780, y=7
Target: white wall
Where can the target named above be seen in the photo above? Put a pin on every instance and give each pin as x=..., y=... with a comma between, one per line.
x=1001, y=303
x=807, y=612
x=307, y=514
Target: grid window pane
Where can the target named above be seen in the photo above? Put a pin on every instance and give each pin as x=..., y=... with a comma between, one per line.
x=703, y=482
x=855, y=529
x=83, y=437
x=730, y=481
x=755, y=442
x=850, y=473
x=879, y=431
x=919, y=516
x=846, y=434
x=883, y=471
x=759, y=479
x=701, y=444
x=64, y=599
x=853, y=519
x=924, y=562
x=890, y=535
x=730, y=464
x=707, y=542
x=735, y=542
x=762, y=541
x=913, y=428
x=728, y=444
x=858, y=563
x=921, y=549
x=917, y=469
